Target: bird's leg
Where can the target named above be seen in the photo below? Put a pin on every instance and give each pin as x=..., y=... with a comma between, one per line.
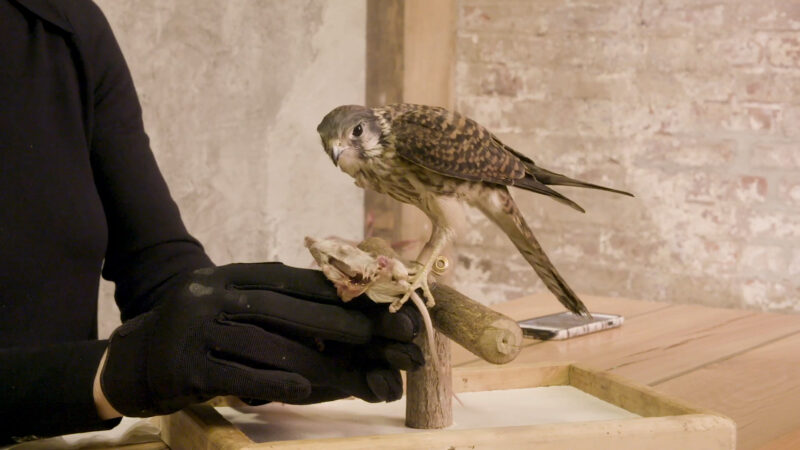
x=426, y=259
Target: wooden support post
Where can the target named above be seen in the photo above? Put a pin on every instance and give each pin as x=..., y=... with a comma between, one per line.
x=410, y=54
x=410, y=59
x=384, y=85
x=429, y=389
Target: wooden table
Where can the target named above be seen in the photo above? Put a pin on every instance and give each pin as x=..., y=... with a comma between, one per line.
x=743, y=364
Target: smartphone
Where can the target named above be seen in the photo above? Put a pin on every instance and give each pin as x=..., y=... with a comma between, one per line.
x=565, y=325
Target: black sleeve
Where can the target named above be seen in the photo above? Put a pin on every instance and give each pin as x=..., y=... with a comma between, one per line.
x=47, y=391
x=148, y=243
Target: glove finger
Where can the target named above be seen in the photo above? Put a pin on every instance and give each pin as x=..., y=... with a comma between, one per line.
x=381, y=353
x=385, y=384
x=252, y=346
x=307, y=284
x=253, y=401
x=397, y=355
x=291, y=315
x=403, y=325
x=321, y=394
x=225, y=377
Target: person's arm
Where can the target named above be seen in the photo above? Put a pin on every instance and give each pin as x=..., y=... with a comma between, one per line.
x=248, y=330
x=147, y=241
x=170, y=338
x=47, y=391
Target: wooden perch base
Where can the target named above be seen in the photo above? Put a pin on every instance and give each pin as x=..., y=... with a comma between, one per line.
x=429, y=389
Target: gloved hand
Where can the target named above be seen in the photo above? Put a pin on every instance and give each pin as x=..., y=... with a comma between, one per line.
x=265, y=332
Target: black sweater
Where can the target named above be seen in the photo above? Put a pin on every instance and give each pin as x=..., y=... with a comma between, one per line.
x=79, y=191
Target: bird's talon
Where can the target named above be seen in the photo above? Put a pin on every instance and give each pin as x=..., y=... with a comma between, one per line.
x=395, y=306
x=428, y=296
x=419, y=281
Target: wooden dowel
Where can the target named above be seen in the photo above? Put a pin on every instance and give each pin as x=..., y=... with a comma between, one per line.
x=486, y=333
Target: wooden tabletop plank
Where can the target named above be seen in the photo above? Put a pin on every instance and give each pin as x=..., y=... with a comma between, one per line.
x=638, y=335
x=659, y=343
x=788, y=441
x=703, y=345
x=544, y=303
x=758, y=389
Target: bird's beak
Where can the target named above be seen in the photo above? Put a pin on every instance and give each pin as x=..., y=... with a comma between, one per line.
x=336, y=152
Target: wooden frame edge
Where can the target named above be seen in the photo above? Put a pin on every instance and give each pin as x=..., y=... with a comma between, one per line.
x=201, y=426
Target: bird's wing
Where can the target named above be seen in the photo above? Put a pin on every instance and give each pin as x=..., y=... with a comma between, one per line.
x=453, y=145
x=553, y=178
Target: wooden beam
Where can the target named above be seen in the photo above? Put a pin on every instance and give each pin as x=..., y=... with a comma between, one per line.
x=429, y=51
x=410, y=58
x=384, y=84
x=410, y=54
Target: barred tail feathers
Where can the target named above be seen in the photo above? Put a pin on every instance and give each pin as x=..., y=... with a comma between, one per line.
x=498, y=205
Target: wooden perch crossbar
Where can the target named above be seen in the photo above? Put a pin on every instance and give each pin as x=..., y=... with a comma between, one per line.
x=486, y=333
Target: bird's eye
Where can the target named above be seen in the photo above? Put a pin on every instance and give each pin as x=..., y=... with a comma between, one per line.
x=358, y=130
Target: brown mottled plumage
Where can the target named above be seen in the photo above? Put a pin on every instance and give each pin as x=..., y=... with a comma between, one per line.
x=418, y=154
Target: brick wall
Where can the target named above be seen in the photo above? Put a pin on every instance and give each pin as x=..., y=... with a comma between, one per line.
x=693, y=105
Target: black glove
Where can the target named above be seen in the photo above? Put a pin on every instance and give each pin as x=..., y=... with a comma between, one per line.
x=265, y=332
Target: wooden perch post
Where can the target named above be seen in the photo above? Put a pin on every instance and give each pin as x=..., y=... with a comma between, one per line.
x=486, y=333
x=429, y=389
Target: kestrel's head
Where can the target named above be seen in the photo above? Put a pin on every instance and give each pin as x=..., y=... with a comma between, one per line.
x=350, y=133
